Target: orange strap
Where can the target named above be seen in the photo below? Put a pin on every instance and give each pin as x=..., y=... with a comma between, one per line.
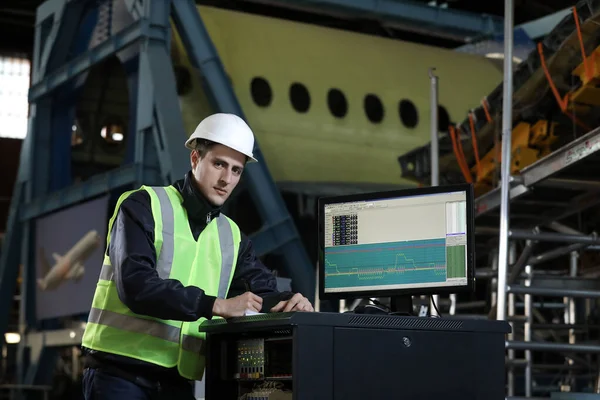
x=586, y=64
x=562, y=102
x=475, y=146
x=486, y=109
x=460, y=156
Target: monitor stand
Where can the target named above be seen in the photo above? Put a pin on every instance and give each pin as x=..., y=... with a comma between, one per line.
x=401, y=305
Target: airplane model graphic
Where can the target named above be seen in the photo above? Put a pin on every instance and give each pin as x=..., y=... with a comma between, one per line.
x=69, y=266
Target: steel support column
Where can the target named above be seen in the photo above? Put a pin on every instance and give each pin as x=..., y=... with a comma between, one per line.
x=156, y=130
x=279, y=231
x=506, y=156
x=15, y=249
x=435, y=154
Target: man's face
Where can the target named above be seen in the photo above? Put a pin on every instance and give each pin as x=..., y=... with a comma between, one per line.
x=218, y=173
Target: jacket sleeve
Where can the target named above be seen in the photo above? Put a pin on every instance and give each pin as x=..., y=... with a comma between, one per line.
x=133, y=256
x=251, y=275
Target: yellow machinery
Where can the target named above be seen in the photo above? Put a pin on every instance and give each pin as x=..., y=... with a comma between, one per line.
x=529, y=144
x=545, y=90
x=588, y=73
x=533, y=142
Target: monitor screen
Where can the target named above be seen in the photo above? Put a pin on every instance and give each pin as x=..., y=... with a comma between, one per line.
x=392, y=243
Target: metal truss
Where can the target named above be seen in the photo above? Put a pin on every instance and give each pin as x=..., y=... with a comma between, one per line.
x=157, y=155
x=412, y=15
x=531, y=209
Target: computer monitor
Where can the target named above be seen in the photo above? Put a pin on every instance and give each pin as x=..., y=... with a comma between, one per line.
x=397, y=244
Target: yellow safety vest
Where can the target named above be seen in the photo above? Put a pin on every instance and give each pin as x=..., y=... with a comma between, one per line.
x=208, y=263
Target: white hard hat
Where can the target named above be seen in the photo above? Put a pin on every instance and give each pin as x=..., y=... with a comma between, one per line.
x=226, y=129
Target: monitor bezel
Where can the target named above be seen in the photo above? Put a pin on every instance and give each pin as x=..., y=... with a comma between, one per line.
x=382, y=195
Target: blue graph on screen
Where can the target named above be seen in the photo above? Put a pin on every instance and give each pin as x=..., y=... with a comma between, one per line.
x=397, y=263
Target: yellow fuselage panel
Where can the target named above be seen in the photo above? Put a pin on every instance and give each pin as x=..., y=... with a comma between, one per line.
x=316, y=146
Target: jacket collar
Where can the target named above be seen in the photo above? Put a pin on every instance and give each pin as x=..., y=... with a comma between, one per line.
x=196, y=205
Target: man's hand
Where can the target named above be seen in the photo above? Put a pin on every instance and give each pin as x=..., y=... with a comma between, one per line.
x=237, y=306
x=296, y=303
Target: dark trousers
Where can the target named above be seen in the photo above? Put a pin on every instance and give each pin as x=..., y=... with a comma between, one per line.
x=101, y=385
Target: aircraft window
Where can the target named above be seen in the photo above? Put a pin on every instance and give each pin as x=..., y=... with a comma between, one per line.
x=408, y=113
x=261, y=92
x=373, y=108
x=443, y=119
x=299, y=97
x=336, y=100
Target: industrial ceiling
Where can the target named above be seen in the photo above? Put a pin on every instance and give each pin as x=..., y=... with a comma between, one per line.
x=17, y=17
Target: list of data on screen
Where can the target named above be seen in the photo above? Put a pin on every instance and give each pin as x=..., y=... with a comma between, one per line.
x=398, y=243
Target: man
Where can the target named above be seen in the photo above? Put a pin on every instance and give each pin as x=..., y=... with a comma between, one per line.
x=172, y=261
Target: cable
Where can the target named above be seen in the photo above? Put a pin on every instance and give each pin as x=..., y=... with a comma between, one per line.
x=263, y=390
x=380, y=304
x=436, y=308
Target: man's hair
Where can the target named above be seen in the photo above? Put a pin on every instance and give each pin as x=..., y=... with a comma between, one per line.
x=203, y=146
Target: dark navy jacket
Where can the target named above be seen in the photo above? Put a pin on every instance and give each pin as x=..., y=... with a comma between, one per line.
x=143, y=292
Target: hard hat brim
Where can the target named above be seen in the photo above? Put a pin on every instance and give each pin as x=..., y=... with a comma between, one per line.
x=190, y=145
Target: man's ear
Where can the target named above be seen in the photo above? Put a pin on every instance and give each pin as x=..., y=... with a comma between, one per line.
x=194, y=158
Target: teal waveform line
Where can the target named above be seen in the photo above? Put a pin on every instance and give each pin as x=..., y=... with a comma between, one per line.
x=397, y=263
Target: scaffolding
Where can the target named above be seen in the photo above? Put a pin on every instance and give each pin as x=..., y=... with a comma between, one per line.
x=536, y=189
x=549, y=309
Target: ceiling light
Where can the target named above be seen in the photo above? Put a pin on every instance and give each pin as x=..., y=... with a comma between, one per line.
x=500, y=56
x=12, y=338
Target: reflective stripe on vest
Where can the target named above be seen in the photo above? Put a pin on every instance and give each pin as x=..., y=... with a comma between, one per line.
x=156, y=328
x=147, y=327
x=164, y=262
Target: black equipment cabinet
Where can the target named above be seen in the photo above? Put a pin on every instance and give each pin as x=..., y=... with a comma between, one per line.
x=331, y=356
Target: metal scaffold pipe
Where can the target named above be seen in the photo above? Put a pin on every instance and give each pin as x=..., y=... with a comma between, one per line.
x=554, y=237
x=435, y=152
x=517, y=268
x=506, y=159
x=557, y=347
x=557, y=226
x=435, y=148
x=555, y=253
x=554, y=292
